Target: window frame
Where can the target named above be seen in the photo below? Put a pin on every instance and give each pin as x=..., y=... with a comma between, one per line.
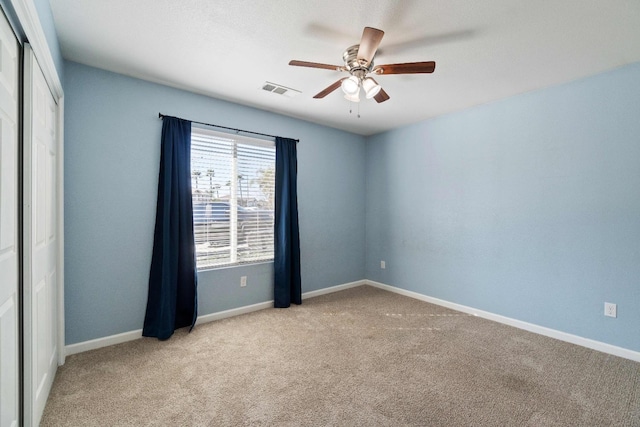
x=246, y=143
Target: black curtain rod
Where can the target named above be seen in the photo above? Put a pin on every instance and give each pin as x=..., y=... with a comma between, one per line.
x=160, y=115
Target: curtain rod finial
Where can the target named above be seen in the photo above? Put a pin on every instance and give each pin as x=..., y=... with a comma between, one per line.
x=160, y=115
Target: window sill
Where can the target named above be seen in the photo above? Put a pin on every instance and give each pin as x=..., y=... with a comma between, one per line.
x=235, y=265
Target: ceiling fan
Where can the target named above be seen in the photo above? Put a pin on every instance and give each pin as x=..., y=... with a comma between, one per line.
x=358, y=61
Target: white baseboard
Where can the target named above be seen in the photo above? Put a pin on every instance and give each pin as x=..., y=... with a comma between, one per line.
x=134, y=335
x=102, y=342
x=206, y=318
x=332, y=289
x=541, y=330
x=269, y=304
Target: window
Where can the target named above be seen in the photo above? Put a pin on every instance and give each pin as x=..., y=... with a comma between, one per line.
x=232, y=183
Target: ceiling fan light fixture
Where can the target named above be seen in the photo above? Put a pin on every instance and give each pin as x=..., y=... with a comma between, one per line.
x=371, y=88
x=351, y=86
x=358, y=62
x=353, y=98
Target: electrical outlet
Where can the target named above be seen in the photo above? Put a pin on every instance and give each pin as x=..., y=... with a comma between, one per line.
x=610, y=309
x=243, y=281
x=383, y=265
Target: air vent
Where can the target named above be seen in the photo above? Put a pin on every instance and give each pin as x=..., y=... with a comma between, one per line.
x=280, y=90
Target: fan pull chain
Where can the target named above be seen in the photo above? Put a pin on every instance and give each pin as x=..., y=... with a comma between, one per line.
x=351, y=108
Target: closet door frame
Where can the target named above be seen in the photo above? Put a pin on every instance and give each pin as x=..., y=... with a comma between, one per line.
x=26, y=23
x=27, y=15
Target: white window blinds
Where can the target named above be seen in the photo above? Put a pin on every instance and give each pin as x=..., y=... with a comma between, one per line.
x=232, y=182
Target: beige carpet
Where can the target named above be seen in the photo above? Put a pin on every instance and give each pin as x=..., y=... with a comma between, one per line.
x=360, y=357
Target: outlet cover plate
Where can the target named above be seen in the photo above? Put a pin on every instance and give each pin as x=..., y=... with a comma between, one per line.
x=610, y=309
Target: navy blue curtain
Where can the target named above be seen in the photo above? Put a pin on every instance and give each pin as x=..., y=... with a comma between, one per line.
x=288, y=288
x=172, y=302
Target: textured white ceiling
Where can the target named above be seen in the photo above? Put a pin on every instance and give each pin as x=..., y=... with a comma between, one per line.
x=484, y=50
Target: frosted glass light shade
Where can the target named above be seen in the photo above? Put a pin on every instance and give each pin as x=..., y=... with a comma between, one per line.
x=371, y=88
x=351, y=86
x=353, y=98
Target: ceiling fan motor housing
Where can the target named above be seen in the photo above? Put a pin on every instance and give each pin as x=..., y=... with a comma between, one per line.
x=353, y=66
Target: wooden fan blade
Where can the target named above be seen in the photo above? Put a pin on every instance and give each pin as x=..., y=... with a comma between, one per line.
x=371, y=38
x=316, y=65
x=406, y=68
x=329, y=89
x=381, y=96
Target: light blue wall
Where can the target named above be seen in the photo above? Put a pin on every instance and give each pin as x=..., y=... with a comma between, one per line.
x=528, y=207
x=112, y=149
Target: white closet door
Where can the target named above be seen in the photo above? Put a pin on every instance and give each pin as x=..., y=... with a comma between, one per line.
x=40, y=240
x=9, y=235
